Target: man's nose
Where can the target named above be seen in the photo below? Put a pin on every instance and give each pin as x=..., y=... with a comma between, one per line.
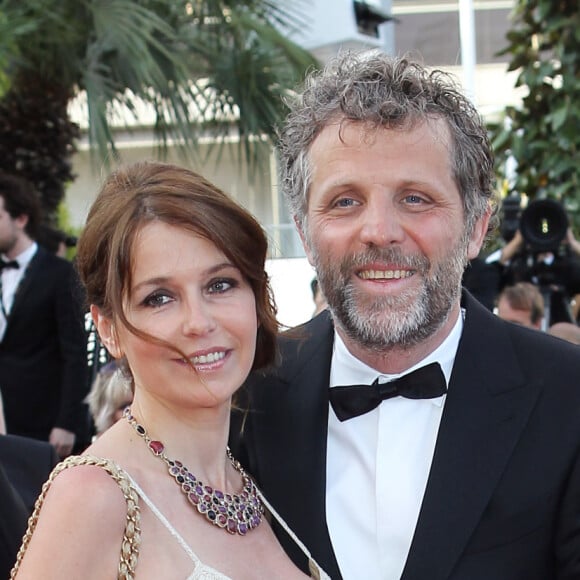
x=381, y=224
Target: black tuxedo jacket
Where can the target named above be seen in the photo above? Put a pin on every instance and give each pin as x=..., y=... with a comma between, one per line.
x=43, y=355
x=503, y=496
x=27, y=464
x=13, y=518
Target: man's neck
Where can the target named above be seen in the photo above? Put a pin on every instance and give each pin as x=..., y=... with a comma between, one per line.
x=22, y=244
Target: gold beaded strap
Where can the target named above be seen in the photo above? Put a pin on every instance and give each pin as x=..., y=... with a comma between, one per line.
x=131, y=537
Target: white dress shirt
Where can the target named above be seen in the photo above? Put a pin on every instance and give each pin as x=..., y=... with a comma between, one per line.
x=11, y=278
x=377, y=468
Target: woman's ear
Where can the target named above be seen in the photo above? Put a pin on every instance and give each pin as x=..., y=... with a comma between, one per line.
x=107, y=333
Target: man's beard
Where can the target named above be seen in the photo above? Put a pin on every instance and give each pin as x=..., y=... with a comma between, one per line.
x=402, y=320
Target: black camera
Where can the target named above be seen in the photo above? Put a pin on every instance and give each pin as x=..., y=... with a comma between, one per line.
x=543, y=225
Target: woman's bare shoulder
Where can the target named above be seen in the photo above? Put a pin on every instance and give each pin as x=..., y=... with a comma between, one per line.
x=87, y=496
x=80, y=526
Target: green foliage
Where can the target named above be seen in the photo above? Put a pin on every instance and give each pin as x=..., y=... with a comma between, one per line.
x=216, y=68
x=543, y=135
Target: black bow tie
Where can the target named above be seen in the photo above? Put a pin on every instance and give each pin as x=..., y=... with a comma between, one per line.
x=11, y=264
x=428, y=382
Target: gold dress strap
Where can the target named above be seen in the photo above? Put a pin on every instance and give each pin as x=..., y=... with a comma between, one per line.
x=132, y=535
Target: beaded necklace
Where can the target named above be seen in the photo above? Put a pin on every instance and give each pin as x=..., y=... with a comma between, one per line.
x=235, y=513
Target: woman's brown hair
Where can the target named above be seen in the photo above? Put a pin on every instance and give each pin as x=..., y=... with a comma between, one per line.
x=146, y=192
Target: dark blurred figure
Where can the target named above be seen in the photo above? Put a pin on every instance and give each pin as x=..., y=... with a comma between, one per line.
x=27, y=463
x=43, y=353
x=483, y=281
x=317, y=297
x=13, y=518
x=55, y=241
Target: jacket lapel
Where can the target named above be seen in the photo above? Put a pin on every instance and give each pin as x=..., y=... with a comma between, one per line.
x=486, y=409
x=26, y=282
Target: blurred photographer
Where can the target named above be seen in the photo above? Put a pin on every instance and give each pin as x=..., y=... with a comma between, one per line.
x=541, y=249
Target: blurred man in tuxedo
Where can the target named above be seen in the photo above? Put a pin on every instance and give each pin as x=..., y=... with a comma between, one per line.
x=43, y=364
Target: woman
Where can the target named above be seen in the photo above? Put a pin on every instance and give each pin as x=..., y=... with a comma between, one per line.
x=174, y=273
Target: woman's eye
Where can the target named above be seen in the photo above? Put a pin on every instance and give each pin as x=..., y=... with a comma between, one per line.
x=157, y=299
x=222, y=285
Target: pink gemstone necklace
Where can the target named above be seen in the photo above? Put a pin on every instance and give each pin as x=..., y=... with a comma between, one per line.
x=235, y=513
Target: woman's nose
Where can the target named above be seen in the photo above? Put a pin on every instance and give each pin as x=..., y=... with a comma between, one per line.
x=198, y=318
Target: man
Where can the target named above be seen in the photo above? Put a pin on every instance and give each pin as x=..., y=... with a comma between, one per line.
x=556, y=273
x=43, y=365
x=389, y=174
x=523, y=304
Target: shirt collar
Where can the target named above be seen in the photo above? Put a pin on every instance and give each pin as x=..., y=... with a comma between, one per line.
x=347, y=369
x=24, y=258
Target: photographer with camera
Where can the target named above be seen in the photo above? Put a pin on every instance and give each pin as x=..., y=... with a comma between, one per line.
x=541, y=249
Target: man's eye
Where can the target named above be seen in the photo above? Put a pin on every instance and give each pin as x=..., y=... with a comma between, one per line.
x=412, y=198
x=345, y=202
x=222, y=285
x=156, y=300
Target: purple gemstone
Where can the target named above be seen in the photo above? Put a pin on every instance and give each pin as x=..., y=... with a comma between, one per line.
x=219, y=494
x=174, y=470
x=242, y=529
x=208, y=489
x=201, y=507
x=232, y=527
x=186, y=487
x=199, y=490
x=228, y=498
x=222, y=509
x=178, y=463
x=255, y=521
x=222, y=521
x=193, y=498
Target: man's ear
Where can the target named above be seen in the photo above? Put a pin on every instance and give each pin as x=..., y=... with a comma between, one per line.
x=21, y=221
x=304, y=239
x=478, y=235
x=107, y=333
